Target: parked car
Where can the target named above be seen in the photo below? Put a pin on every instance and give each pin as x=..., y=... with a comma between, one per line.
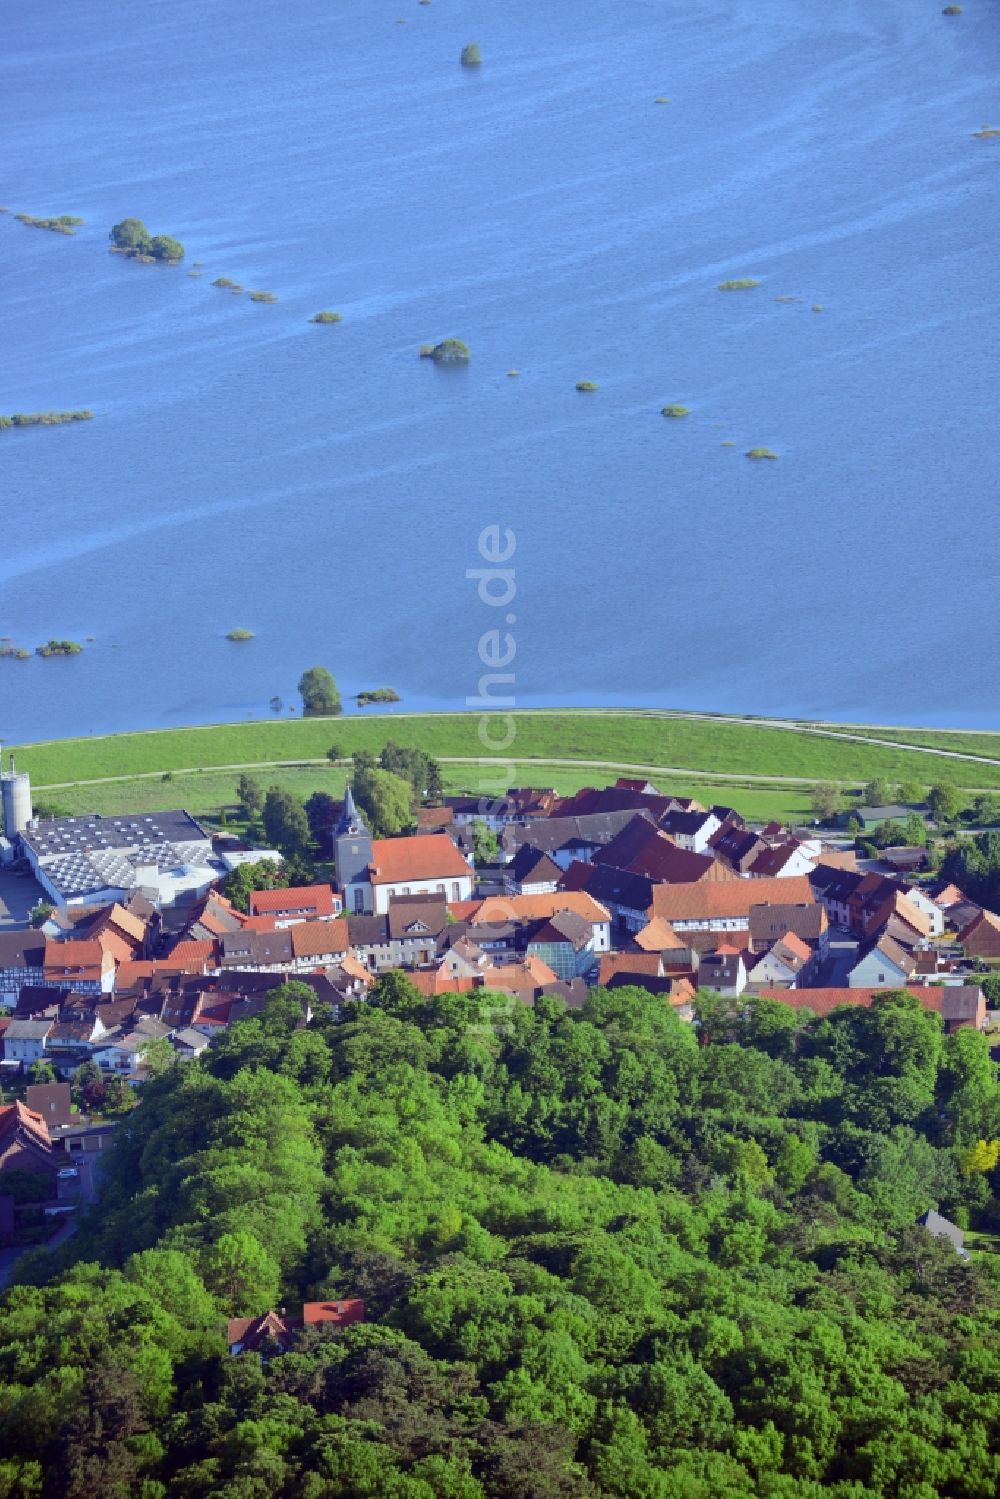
x=68, y=1173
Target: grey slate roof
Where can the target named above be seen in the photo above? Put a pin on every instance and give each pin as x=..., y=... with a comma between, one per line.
x=550, y=834
x=943, y=1228
x=28, y=1030
x=531, y=866
x=25, y=949
x=190, y=1038
x=256, y=948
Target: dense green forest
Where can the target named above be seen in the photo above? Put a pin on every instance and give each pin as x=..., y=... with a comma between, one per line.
x=600, y=1255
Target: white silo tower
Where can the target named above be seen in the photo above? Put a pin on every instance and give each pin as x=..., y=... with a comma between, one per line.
x=15, y=800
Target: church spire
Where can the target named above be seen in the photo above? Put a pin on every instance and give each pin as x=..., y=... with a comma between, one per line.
x=351, y=822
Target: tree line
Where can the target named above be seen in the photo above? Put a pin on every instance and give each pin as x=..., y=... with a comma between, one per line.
x=602, y=1252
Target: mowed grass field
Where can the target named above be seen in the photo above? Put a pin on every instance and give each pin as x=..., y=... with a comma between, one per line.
x=726, y=748
x=205, y=793
x=961, y=741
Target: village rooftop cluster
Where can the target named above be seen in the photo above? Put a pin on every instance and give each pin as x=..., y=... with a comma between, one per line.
x=142, y=960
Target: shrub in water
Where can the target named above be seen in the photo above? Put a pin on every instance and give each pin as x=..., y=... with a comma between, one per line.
x=44, y=418
x=66, y=223
x=131, y=237
x=59, y=648
x=448, y=351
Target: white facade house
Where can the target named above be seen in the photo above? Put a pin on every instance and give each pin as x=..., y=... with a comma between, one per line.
x=923, y=903
x=24, y=1040
x=782, y=862
x=882, y=965
x=452, y=888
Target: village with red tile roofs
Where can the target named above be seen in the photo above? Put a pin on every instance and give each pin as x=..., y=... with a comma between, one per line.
x=152, y=934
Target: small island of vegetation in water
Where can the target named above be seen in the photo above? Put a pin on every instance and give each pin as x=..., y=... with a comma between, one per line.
x=745, y=283
x=227, y=285
x=586, y=385
x=325, y=317
x=59, y=648
x=472, y=55
x=44, y=418
x=240, y=635
x=675, y=411
x=66, y=223
x=263, y=296
x=985, y=133
x=11, y=652
x=761, y=453
x=378, y=695
x=448, y=351
x=132, y=238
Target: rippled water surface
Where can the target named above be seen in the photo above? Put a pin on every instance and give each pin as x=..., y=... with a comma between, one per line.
x=325, y=488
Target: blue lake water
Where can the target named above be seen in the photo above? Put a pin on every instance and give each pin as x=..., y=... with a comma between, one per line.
x=325, y=487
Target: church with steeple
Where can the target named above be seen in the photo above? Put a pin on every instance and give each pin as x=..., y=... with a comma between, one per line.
x=352, y=855
x=372, y=872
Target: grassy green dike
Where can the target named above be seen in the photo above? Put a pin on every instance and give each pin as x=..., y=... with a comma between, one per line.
x=740, y=761
x=205, y=793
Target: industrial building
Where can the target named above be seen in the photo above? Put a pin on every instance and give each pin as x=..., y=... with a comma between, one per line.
x=93, y=859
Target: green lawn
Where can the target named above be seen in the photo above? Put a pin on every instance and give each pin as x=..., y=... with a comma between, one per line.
x=982, y=1242
x=203, y=793
x=946, y=739
x=726, y=748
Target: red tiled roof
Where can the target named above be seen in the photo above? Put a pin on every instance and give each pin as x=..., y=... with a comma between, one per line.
x=76, y=953
x=496, y=909
x=215, y=913
x=263, y=923
x=795, y=945
x=639, y=963
x=314, y=899
x=339, y=1313
x=837, y=858
x=350, y=965
x=17, y=1116
x=532, y=973
x=127, y=922
x=191, y=953
x=705, y=899
x=822, y=1001
x=437, y=981
x=431, y=818
x=426, y=856
x=314, y=939
x=657, y=936
x=897, y=905
x=982, y=936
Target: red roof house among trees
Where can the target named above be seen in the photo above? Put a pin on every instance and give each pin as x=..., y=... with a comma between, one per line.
x=277, y=1329
x=24, y=1141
